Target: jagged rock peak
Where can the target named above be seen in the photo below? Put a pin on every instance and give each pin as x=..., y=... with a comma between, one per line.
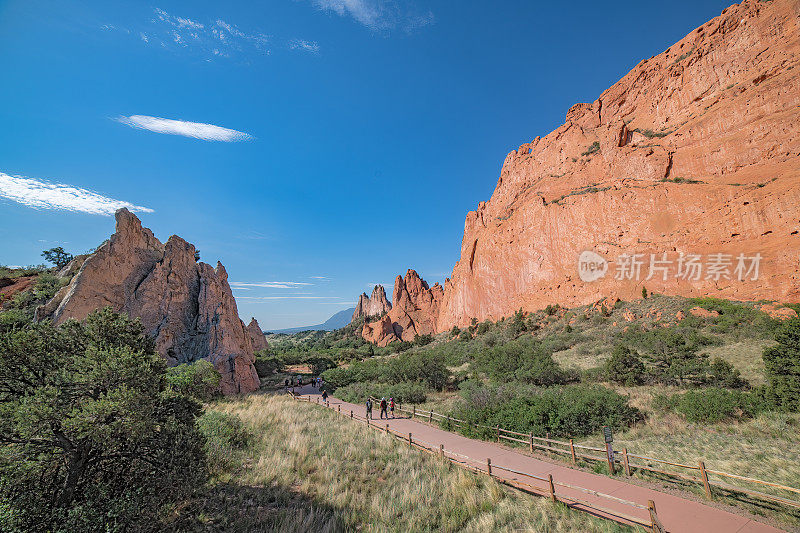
x=256, y=334
x=372, y=306
x=415, y=307
x=187, y=306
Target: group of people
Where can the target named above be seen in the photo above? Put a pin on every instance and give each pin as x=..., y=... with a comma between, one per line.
x=386, y=406
x=297, y=381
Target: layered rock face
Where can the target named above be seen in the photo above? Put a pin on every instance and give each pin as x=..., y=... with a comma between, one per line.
x=257, y=339
x=371, y=306
x=415, y=307
x=187, y=306
x=695, y=151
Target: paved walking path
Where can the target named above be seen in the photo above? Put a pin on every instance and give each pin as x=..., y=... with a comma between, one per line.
x=678, y=515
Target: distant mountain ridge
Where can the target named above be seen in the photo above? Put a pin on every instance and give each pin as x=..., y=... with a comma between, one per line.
x=338, y=320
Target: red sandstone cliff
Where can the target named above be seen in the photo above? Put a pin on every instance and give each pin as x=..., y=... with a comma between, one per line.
x=187, y=306
x=720, y=108
x=414, y=308
x=695, y=151
x=372, y=306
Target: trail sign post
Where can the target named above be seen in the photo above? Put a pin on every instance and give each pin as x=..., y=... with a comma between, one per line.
x=609, y=448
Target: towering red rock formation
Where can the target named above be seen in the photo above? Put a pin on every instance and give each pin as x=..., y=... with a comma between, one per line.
x=186, y=306
x=694, y=152
x=414, y=310
x=256, y=334
x=372, y=306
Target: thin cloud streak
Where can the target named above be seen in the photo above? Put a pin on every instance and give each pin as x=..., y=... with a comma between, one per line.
x=379, y=15
x=197, y=130
x=41, y=194
x=271, y=284
x=263, y=298
x=305, y=46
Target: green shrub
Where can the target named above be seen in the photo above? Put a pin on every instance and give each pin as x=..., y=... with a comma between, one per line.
x=223, y=435
x=90, y=437
x=199, y=380
x=321, y=364
x=782, y=366
x=708, y=406
x=401, y=392
x=624, y=366
x=572, y=411
x=739, y=319
x=525, y=360
x=423, y=340
x=465, y=335
x=594, y=147
x=722, y=374
x=266, y=365
x=422, y=367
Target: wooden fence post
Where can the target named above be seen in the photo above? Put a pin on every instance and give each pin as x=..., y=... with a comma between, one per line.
x=572, y=451
x=413, y=411
x=552, y=487
x=409, y=439
x=387, y=428
x=351, y=413
x=531, y=441
x=430, y=417
x=656, y=525
x=367, y=421
x=625, y=460
x=610, y=458
x=489, y=466
x=498, y=432
x=704, y=475
x=441, y=450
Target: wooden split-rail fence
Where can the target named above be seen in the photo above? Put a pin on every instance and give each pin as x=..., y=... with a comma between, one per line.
x=628, y=462
x=538, y=485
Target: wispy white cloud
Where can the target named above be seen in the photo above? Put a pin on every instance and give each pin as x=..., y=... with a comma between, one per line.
x=41, y=194
x=198, y=130
x=322, y=278
x=379, y=15
x=271, y=284
x=289, y=297
x=303, y=45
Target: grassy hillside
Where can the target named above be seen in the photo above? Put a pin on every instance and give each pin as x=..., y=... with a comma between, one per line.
x=308, y=469
x=677, y=378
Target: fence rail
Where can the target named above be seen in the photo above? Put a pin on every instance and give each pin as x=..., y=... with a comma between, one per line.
x=652, y=522
x=621, y=458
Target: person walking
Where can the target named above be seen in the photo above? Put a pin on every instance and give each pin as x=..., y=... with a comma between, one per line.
x=383, y=408
x=369, y=409
x=324, y=396
x=391, y=406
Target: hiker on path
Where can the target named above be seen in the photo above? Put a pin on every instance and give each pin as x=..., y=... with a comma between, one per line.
x=383, y=408
x=369, y=409
x=391, y=406
x=324, y=396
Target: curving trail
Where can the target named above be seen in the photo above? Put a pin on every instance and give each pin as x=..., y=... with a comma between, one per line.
x=678, y=515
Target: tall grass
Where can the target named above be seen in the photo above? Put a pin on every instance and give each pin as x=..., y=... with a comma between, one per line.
x=310, y=469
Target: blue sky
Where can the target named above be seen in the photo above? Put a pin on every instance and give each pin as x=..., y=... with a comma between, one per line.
x=339, y=143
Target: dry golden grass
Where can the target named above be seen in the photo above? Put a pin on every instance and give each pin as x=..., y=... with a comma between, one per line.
x=765, y=448
x=310, y=469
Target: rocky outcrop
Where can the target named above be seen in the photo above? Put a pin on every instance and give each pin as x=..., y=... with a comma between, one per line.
x=415, y=307
x=372, y=306
x=257, y=338
x=187, y=306
x=695, y=151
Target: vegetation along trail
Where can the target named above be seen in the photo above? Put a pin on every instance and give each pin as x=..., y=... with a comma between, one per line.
x=675, y=513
